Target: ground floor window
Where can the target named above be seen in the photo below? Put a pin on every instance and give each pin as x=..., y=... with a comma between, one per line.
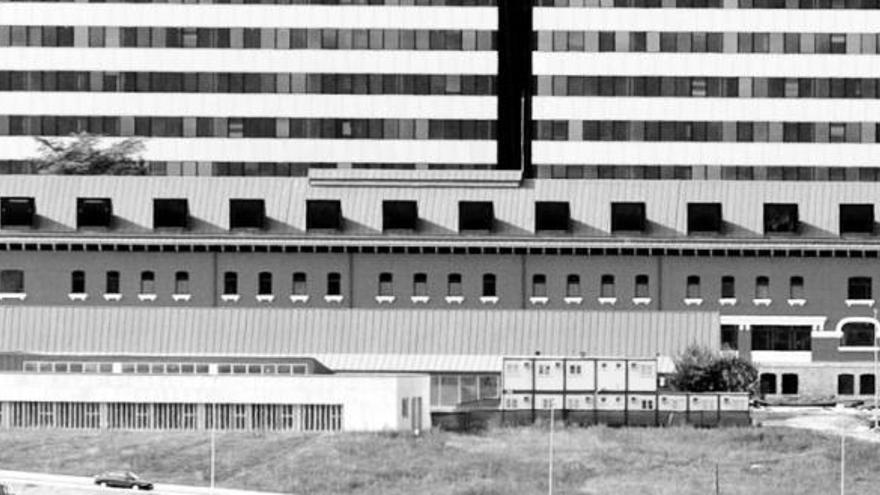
x=789, y=383
x=845, y=384
x=866, y=384
x=858, y=334
x=729, y=337
x=452, y=390
x=780, y=338
x=768, y=383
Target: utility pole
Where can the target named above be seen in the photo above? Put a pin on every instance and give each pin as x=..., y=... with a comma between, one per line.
x=843, y=464
x=876, y=391
x=213, y=441
x=550, y=471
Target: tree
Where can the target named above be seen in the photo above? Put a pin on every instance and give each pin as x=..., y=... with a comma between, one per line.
x=81, y=154
x=701, y=370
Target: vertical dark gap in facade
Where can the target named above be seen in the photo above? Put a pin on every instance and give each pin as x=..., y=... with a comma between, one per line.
x=514, y=85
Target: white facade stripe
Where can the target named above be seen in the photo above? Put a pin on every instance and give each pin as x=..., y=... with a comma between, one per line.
x=219, y=15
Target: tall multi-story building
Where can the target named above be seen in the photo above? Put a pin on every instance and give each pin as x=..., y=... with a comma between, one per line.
x=709, y=162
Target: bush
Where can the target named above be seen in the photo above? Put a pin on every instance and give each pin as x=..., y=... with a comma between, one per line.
x=701, y=370
x=80, y=154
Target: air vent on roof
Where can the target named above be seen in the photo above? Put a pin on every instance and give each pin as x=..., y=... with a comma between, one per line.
x=704, y=218
x=856, y=218
x=552, y=215
x=94, y=212
x=627, y=217
x=323, y=214
x=475, y=215
x=17, y=212
x=247, y=213
x=780, y=218
x=170, y=213
x=397, y=215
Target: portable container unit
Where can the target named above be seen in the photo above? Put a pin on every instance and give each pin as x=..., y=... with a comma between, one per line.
x=703, y=409
x=517, y=375
x=611, y=409
x=580, y=402
x=641, y=375
x=611, y=375
x=548, y=401
x=516, y=401
x=734, y=409
x=641, y=409
x=672, y=409
x=549, y=375
x=580, y=375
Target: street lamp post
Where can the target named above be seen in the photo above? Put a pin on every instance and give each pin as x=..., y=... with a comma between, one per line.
x=876, y=358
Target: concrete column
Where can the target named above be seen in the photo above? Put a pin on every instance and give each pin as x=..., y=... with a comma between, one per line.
x=744, y=342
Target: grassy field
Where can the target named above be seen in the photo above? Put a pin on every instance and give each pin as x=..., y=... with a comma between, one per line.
x=596, y=460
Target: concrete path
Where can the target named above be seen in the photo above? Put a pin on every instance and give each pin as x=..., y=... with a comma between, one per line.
x=26, y=483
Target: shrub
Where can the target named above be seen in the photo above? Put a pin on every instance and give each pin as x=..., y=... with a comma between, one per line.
x=80, y=154
x=701, y=370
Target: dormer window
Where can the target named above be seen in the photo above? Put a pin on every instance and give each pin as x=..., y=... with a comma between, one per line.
x=323, y=214
x=552, y=215
x=170, y=213
x=856, y=219
x=627, y=217
x=704, y=218
x=475, y=215
x=247, y=213
x=781, y=218
x=400, y=215
x=17, y=212
x=94, y=212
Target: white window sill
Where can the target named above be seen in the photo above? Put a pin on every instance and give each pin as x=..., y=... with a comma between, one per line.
x=147, y=297
x=336, y=299
x=539, y=300
x=113, y=297
x=762, y=302
x=385, y=299
x=230, y=297
x=21, y=296
x=489, y=299
x=299, y=298
x=859, y=302
x=574, y=300
x=265, y=298
x=77, y=296
x=641, y=301
x=454, y=299
x=797, y=302
x=693, y=301
x=608, y=300
x=420, y=299
x=856, y=348
x=727, y=301
x=181, y=297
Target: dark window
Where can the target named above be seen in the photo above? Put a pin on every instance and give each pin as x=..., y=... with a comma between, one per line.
x=323, y=214
x=845, y=384
x=78, y=282
x=796, y=288
x=112, y=285
x=11, y=281
x=728, y=287
x=629, y=217
x=552, y=215
x=866, y=384
x=489, y=289
x=789, y=384
x=181, y=283
x=704, y=217
x=400, y=215
x=334, y=284
x=606, y=286
x=539, y=285
x=858, y=334
x=93, y=212
x=148, y=282
x=453, y=285
x=298, y=285
x=729, y=337
x=780, y=218
x=17, y=212
x=856, y=218
x=762, y=287
x=859, y=288
x=780, y=338
x=475, y=215
x=230, y=283
x=170, y=213
x=573, y=286
x=768, y=384
x=420, y=284
x=247, y=213
x=642, y=286
x=692, y=288
x=386, y=284
x=264, y=283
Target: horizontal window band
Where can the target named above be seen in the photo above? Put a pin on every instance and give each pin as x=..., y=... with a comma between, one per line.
x=248, y=83
x=707, y=172
x=715, y=4
x=347, y=3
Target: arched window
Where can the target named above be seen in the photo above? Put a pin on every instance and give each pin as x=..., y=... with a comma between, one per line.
x=573, y=286
x=858, y=334
x=420, y=284
x=728, y=287
x=148, y=282
x=334, y=284
x=859, y=288
x=264, y=284
x=181, y=283
x=112, y=286
x=796, y=288
x=386, y=284
x=298, y=286
x=489, y=289
x=539, y=285
x=606, y=287
x=692, y=290
x=642, y=287
x=78, y=282
x=230, y=283
x=453, y=285
x=762, y=288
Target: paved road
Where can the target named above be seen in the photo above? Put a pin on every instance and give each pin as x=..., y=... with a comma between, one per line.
x=25, y=483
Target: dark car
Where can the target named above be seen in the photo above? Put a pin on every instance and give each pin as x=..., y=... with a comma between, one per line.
x=122, y=479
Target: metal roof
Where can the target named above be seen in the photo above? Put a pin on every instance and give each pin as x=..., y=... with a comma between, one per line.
x=355, y=339
x=590, y=201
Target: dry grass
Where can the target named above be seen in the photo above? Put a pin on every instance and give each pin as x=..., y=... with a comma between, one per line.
x=506, y=461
